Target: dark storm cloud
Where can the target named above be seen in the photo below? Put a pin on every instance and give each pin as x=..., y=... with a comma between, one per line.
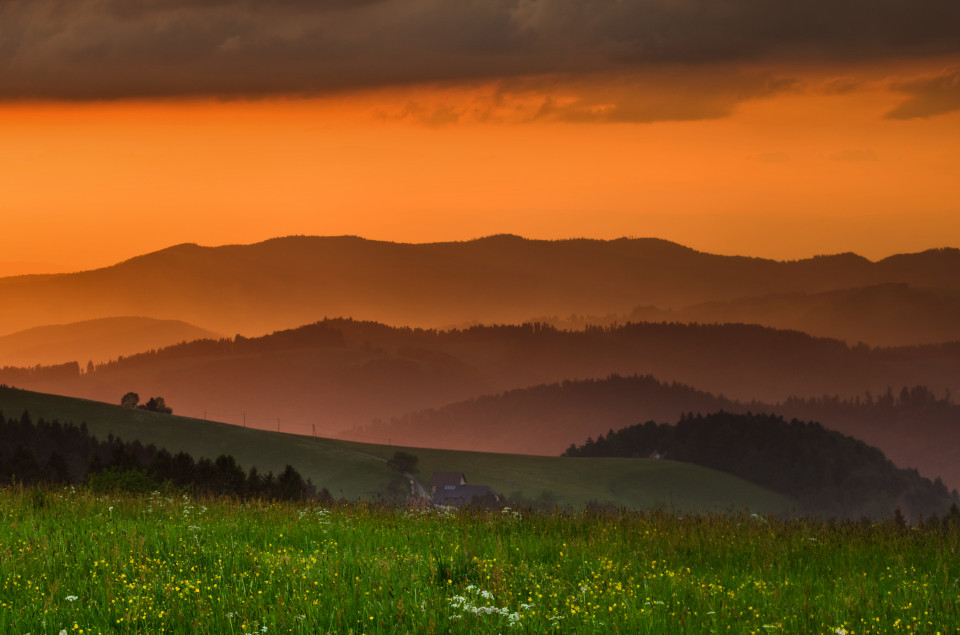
x=929, y=96
x=104, y=49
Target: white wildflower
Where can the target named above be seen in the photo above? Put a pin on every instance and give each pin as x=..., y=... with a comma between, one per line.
x=71, y=598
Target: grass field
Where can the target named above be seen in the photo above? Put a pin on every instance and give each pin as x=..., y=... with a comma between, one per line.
x=76, y=562
x=358, y=471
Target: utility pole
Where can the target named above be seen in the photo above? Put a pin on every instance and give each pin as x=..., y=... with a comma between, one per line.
x=244, y=420
x=314, y=430
x=278, y=424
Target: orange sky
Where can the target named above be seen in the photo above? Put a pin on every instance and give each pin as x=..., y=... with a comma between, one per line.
x=809, y=169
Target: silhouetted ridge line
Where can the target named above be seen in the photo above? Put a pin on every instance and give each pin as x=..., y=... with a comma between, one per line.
x=286, y=281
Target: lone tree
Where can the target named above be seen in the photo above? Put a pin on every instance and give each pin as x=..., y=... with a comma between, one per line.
x=404, y=462
x=130, y=400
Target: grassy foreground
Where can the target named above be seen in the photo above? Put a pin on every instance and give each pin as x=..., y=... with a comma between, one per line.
x=81, y=563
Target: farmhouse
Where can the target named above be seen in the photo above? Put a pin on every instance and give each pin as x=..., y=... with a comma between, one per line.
x=451, y=488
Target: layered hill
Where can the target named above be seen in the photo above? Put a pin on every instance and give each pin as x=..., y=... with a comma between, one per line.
x=338, y=375
x=360, y=471
x=94, y=340
x=890, y=314
x=295, y=280
x=913, y=427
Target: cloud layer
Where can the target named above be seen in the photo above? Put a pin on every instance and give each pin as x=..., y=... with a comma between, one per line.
x=109, y=49
x=929, y=96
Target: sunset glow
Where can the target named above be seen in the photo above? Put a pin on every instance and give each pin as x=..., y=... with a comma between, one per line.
x=804, y=147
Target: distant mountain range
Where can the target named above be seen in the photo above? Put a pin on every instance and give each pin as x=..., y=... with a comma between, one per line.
x=94, y=340
x=289, y=281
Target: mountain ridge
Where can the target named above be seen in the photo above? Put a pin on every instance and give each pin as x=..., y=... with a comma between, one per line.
x=287, y=281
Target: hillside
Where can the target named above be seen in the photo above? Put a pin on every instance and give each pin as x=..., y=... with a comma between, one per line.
x=546, y=418
x=880, y=315
x=94, y=340
x=283, y=282
x=356, y=470
x=830, y=474
x=914, y=428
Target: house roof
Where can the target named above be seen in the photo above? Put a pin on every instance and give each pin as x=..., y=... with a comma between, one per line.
x=442, y=479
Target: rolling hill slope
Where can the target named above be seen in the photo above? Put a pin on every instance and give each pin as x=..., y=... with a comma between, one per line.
x=355, y=470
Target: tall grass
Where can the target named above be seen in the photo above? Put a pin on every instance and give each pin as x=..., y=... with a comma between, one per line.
x=74, y=561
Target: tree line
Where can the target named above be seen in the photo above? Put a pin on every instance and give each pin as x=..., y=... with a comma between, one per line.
x=55, y=453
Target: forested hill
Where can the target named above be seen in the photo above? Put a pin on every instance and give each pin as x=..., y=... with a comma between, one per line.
x=829, y=473
x=294, y=280
x=913, y=426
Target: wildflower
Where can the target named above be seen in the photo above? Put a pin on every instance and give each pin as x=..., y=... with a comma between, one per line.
x=71, y=598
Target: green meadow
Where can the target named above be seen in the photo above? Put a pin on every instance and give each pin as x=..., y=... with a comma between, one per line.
x=77, y=562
